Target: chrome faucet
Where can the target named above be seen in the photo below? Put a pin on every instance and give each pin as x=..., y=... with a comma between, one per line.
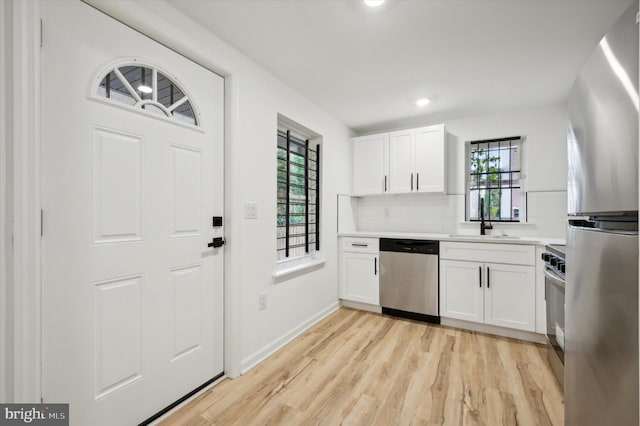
x=483, y=226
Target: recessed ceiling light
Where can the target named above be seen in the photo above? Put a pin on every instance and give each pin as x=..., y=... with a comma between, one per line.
x=373, y=3
x=145, y=89
x=422, y=102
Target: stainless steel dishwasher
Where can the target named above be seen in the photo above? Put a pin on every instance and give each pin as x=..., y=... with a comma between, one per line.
x=409, y=279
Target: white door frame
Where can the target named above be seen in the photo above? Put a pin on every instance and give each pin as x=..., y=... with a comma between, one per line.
x=23, y=334
x=4, y=207
x=23, y=288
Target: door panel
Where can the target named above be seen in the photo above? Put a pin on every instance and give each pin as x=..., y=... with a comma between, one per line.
x=430, y=159
x=132, y=295
x=185, y=176
x=369, y=164
x=601, y=328
x=602, y=140
x=510, y=296
x=117, y=186
x=401, y=175
x=117, y=334
x=408, y=282
x=360, y=278
x=461, y=293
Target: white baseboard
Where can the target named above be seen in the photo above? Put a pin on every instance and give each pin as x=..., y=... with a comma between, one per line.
x=268, y=350
x=361, y=306
x=492, y=329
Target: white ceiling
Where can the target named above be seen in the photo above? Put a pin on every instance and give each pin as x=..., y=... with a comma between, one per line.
x=367, y=66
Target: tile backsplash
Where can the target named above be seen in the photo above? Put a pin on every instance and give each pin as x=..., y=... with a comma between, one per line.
x=547, y=212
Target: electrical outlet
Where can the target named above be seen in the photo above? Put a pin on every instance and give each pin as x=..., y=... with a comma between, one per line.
x=262, y=301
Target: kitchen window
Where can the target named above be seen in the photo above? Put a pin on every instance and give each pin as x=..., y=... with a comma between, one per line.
x=298, y=196
x=495, y=176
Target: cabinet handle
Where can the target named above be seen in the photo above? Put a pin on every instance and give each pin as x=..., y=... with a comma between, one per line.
x=480, y=275
x=385, y=183
x=488, y=277
x=359, y=245
x=375, y=266
x=412, y=181
x=417, y=181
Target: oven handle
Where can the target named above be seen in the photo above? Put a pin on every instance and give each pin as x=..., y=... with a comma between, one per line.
x=554, y=280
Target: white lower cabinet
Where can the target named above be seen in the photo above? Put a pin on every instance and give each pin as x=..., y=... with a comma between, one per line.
x=461, y=293
x=509, y=296
x=487, y=292
x=359, y=271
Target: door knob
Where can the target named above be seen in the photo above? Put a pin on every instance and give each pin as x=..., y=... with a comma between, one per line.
x=217, y=242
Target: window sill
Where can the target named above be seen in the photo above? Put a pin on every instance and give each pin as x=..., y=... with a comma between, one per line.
x=285, y=271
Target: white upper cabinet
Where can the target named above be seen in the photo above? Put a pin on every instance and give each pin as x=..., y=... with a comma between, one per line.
x=430, y=159
x=370, y=164
x=401, y=162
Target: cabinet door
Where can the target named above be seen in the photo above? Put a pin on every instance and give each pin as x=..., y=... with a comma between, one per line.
x=370, y=164
x=461, y=290
x=401, y=176
x=430, y=159
x=360, y=278
x=510, y=296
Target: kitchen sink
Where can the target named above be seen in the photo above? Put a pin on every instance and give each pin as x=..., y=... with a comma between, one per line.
x=485, y=237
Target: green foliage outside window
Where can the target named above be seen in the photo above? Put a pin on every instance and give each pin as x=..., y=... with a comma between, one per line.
x=486, y=165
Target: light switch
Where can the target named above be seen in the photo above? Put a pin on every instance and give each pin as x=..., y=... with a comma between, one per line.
x=250, y=210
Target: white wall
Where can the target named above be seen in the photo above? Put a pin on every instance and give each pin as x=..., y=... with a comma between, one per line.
x=546, y=145
x=546, y=178
x=5, y=29
x=253, y=178
x=256, y=99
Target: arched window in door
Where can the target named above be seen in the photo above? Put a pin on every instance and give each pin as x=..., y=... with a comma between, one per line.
x=144, y=87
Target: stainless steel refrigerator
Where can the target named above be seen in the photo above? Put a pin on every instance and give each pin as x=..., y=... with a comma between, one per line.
x=601, y=305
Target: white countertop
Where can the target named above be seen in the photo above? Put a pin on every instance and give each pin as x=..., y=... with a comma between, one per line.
x=471, y=238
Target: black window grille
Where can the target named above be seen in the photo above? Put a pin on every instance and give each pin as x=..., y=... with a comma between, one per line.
x=495, y=176
x=298, y=217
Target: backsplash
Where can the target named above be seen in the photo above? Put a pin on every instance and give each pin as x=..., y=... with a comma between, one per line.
x=547, y=212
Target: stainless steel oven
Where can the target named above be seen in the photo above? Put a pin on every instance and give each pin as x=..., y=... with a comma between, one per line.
x=554, y=282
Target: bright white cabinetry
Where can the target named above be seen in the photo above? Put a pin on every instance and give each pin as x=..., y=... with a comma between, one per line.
x=359, y=270
x=479, y=289
x=405, y=161
x=510, y=296
x=401, y=161
x=461, y=295
x=370, y=164
x=430, y=159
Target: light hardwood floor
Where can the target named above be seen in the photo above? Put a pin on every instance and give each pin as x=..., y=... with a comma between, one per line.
x=360, y=368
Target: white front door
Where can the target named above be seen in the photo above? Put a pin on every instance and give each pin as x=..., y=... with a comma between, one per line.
x=132, y=296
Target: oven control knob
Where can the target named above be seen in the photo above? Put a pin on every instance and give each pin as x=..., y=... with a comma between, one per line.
x=561, y=267
x=554, y=261
x=546, y=256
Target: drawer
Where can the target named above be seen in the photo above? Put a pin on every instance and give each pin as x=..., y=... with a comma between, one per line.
x=360, y=245
x=512, y=254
